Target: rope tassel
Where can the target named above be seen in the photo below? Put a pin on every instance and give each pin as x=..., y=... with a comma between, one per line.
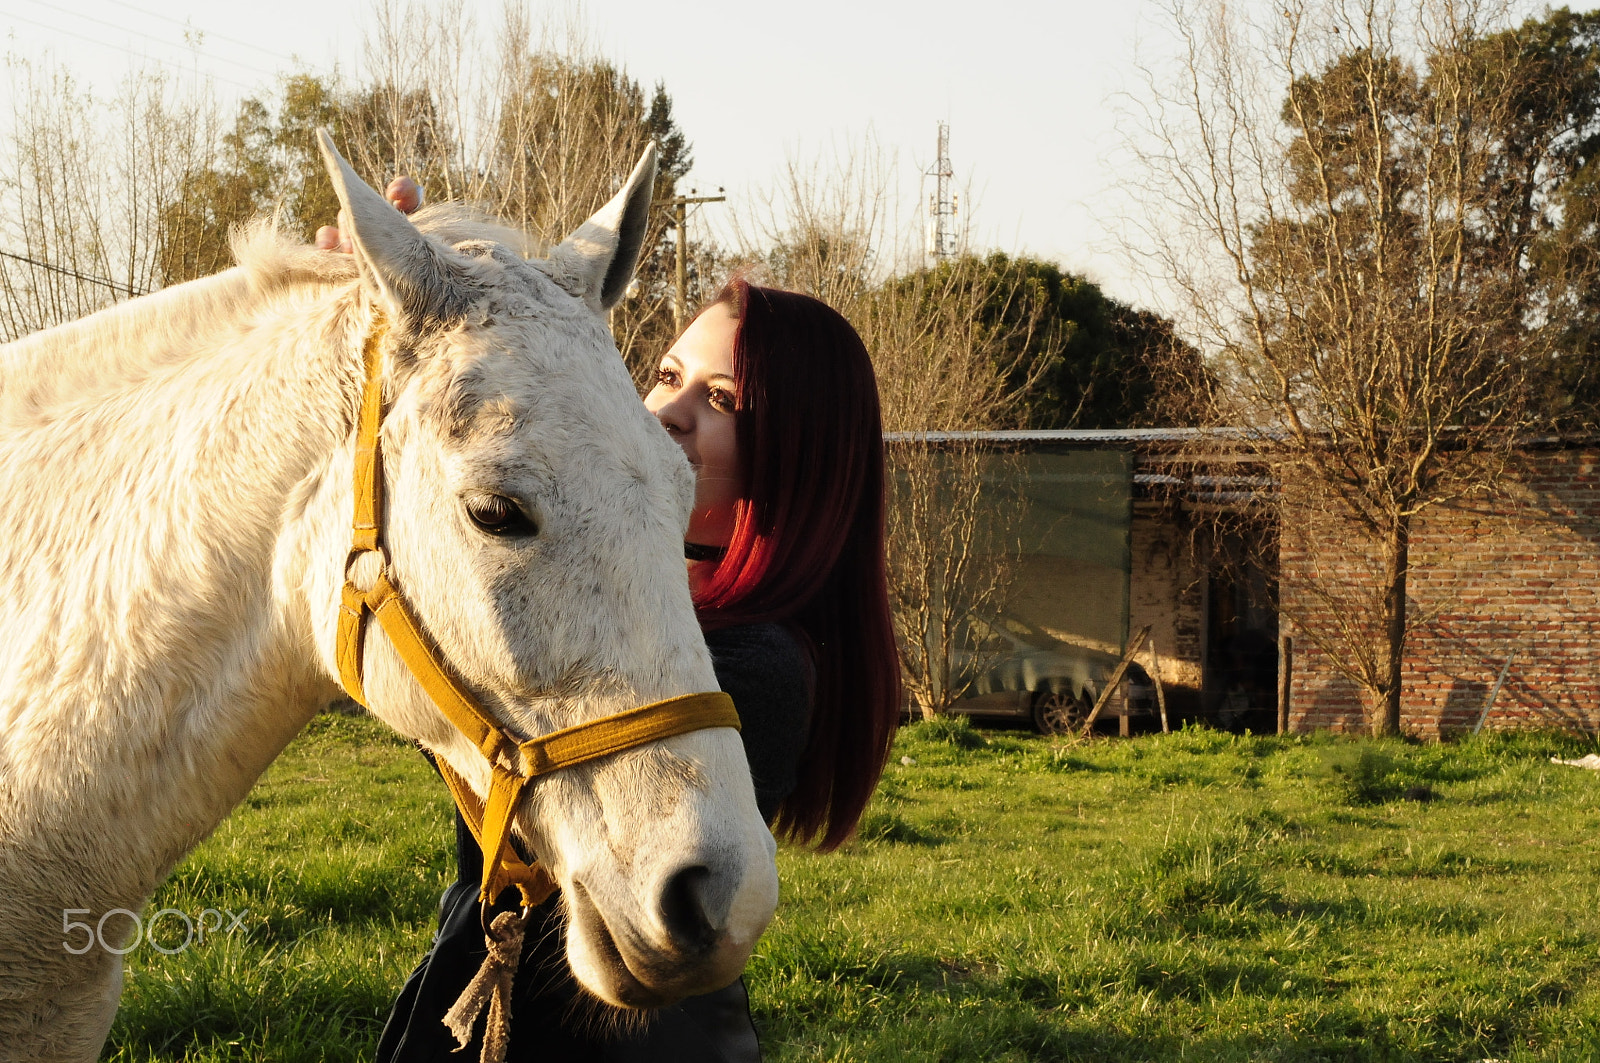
x=491, y=986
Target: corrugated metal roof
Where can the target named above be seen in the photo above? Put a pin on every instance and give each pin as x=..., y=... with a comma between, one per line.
x=1114, y=437
x=1088, y=436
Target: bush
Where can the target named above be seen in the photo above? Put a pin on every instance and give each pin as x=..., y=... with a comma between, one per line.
x=1363, y=776
x=952, y=730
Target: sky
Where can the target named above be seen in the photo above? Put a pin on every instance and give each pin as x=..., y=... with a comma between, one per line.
x=1030, y=89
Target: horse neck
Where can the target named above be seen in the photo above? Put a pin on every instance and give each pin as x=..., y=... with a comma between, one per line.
x=155, y=631
x=109, y=350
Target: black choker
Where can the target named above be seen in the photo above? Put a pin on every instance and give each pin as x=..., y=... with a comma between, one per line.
x=702, y=552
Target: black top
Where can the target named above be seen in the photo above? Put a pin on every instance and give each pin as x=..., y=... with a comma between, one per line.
x=770, y=678
x=768, y=675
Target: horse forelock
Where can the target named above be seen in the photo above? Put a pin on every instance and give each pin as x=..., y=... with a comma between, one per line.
x=274, y=259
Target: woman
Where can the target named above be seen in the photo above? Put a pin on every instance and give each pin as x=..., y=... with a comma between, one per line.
x=772, y=397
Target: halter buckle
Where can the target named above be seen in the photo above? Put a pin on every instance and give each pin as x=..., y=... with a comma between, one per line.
x=359, y=551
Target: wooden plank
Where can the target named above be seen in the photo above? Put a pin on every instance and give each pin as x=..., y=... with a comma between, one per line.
x=1116, y=677
x=1161, y=691
x=1498, y=683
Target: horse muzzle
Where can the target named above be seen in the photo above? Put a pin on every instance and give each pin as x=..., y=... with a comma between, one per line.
x=692, y=932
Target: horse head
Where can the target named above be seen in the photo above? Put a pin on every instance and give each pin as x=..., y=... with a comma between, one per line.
x=534, y=515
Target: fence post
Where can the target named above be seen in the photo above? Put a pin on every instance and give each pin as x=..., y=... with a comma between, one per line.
x=1285, y=680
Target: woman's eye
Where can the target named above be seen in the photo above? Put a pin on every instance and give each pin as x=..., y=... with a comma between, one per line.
x=722, y=400
x=500, y=516
x=667, y=377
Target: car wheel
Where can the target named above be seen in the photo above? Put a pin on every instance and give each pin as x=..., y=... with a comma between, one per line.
x=1057, y=712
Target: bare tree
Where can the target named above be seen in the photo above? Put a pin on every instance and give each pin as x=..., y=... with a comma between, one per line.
x=1354, y=207
x=83, y=183
x=952, y=542
x=112, y=198
x=833, y=229
x=534, y=127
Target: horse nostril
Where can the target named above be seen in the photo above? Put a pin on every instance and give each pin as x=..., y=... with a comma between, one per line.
x=683, y=910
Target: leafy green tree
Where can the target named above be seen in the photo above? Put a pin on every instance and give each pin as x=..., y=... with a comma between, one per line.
x=1072, y=357
x=268, y=162
x=209, y=200
x=1101, y=358
x=1547, y=187
x=306, y=104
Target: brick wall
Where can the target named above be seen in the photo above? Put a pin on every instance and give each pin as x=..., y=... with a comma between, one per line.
x=1518, y=576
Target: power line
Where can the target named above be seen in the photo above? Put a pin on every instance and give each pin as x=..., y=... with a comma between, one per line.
x=123, y=48
x=74, y=273
x=164, y=42
x=206, y=32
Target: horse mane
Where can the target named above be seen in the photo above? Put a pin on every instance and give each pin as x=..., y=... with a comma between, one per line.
x=124, y=344
x=273, y=260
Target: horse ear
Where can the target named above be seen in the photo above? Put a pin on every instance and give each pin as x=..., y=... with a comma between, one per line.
x=596, y=262
x=414, y=277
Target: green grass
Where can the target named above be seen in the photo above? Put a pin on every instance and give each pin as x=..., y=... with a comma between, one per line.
x=338, y=855
x=1199, y=896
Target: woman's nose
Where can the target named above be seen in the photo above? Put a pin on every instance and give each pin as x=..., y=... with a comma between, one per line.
x=675, y=415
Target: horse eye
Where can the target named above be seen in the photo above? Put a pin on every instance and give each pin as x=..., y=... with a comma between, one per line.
x=498, y=515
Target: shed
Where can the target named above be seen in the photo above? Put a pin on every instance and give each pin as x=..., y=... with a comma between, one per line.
x=1516, y=577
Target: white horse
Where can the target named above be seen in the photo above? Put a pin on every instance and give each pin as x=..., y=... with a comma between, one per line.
x=175, y=506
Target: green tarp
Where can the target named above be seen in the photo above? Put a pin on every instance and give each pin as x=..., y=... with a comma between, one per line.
x=1071, y=580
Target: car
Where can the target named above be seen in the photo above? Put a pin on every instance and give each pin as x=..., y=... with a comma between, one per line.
x=1023, y=673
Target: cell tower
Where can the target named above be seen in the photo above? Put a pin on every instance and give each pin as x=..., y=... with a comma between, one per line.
x=942, y=204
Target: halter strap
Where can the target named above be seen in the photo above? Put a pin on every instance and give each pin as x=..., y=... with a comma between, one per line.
x=513, y=764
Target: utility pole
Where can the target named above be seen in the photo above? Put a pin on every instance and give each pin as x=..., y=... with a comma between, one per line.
x=679, y=205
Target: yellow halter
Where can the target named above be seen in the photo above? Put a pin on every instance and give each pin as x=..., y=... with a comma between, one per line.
x=514, y=763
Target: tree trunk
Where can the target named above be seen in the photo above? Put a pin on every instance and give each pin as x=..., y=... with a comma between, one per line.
x=1387, y=720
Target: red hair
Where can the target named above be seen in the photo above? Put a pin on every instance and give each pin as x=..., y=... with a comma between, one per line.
x=807, y=547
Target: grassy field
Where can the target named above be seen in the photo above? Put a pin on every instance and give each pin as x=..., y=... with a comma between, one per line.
x=1199, y=896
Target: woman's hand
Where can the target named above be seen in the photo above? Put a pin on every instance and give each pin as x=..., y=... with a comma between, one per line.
x=403, y=192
